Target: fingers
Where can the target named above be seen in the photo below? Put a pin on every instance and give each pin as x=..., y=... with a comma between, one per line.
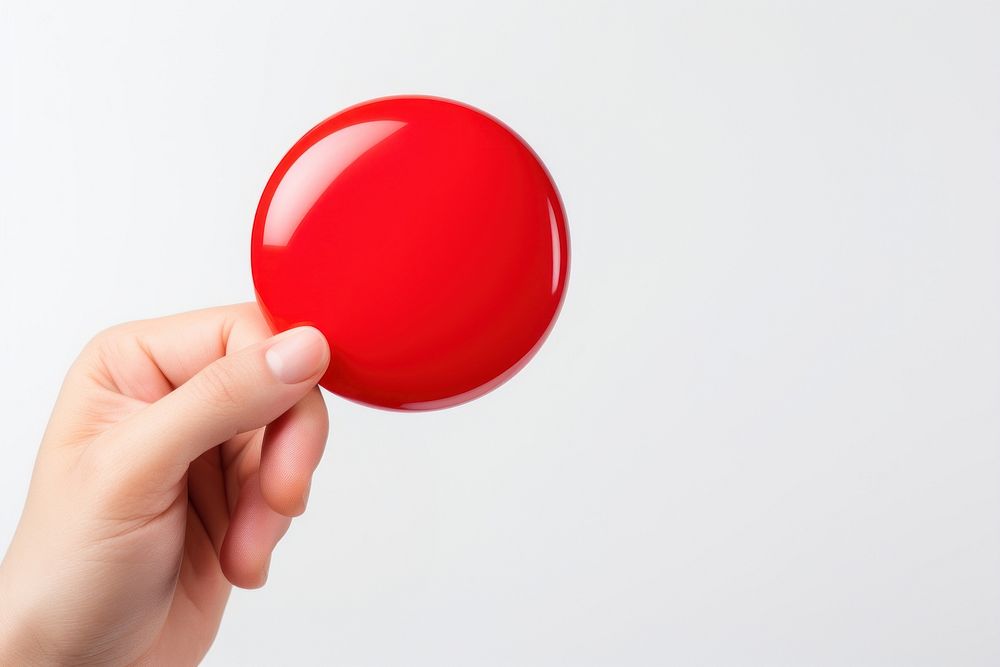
x=147, y=359
x=254, y=531
x=237, y=393
x=181, y=345
x=293, y=445
x=220, y=375
x=275, y=491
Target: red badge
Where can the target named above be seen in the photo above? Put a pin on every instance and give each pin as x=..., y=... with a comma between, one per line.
x=424, y=239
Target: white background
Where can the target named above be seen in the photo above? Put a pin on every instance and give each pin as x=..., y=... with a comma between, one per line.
x=766, y=429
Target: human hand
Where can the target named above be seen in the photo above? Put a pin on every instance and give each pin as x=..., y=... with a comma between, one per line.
x=157, y=486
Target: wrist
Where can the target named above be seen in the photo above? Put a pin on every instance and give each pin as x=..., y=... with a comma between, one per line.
x=18, y=643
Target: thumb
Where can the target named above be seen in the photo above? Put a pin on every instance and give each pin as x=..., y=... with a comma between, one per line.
x=235, y=394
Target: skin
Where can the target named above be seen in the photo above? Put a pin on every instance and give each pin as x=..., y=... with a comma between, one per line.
x=177, y=452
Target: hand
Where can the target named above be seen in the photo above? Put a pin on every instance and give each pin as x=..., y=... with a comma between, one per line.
x=157, y=486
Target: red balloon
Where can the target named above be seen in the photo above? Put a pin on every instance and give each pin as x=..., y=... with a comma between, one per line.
x=426, y=241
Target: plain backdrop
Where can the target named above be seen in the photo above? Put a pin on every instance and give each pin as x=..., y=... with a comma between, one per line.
x=766, y=428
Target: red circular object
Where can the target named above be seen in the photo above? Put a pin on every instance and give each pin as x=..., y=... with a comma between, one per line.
x=424, y=239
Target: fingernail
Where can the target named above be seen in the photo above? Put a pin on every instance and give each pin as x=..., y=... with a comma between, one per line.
x=297, y=355
x=305, y=496
x=267, y=571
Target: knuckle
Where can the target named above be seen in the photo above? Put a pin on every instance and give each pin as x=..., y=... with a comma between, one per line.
x=219, y=384
x=105, y=339
x=108, y=343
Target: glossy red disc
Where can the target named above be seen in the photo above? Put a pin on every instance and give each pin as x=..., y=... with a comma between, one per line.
x=425, y=240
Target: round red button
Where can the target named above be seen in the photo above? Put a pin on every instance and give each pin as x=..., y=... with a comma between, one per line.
x=424, y=239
